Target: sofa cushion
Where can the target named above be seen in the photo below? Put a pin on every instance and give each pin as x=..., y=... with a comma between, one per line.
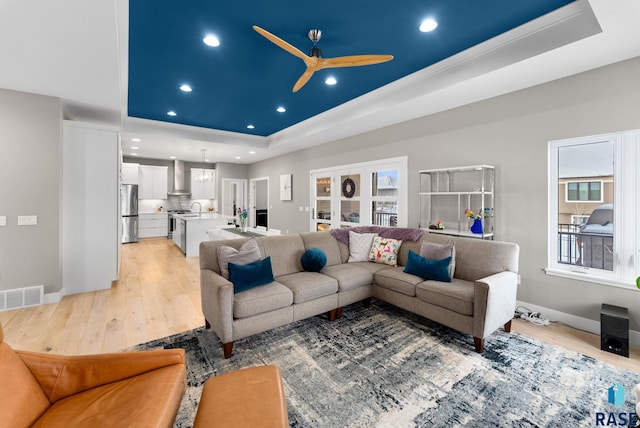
x=307, y=286
x=360, y=246
x=261, y=299
x=349, y=276
x=425, y=268
x=385, y=250
x=396, y=280
x=372, y=267
x=247, y=253
x=434, y=251
x=285, y=252
x=19, y=391
x=250, y=275
x=456, y=295
x=121, y=403
x=326, y=242
x=313, y=260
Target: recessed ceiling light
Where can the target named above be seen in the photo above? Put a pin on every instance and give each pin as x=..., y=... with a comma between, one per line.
x=211, y=40
x=134, y=154
x=136, y=140
x=428, y=25
x=252, y=152
x=331, y=81
x=134, y=147
x=281, y=109
x=250, y=126
x=185, y=88
x=172, y=113
x=207, y=160
x=172, y=157
x=238, y=157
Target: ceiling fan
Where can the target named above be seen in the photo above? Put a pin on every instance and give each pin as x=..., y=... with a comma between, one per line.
x=314, y=61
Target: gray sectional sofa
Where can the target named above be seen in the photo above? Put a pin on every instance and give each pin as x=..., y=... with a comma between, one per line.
x=480, y=299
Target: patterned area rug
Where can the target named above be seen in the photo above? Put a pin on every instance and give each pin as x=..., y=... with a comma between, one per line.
x=385, y=367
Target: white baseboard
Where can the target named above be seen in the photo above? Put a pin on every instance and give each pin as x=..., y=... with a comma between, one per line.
x=51, y=298
x=574, y=321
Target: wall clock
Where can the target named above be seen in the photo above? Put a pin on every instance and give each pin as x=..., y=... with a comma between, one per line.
x=348, y=188
x=285, y=187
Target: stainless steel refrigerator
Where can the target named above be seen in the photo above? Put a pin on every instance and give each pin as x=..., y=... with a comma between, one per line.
x=129, y=211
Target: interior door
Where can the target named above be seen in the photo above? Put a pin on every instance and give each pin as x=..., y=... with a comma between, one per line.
x=323, y=211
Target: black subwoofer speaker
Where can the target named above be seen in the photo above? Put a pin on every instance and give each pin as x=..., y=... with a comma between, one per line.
x=614, y=329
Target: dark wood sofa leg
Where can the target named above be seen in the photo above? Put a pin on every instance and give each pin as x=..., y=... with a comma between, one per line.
x=479, y=344
x=332, y=315
x=339, y=313
x=366, y=302
x=228, y=350
x=507, y=327
x=207, y=325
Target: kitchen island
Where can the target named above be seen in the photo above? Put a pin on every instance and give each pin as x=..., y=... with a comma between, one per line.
x=232, y=232
x=191, y=229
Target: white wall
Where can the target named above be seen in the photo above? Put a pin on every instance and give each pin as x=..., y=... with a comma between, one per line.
x=30, y=179
x=510, y=132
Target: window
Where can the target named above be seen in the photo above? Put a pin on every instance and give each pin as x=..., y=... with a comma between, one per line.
x=593, y=198
x=367, y=193
x=584, y=191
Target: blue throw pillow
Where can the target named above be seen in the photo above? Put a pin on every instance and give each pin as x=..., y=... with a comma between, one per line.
x=313, y=260
x=249, y=276
x=437, y=270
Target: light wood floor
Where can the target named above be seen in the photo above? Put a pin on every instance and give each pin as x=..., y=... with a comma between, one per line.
x=158, y=294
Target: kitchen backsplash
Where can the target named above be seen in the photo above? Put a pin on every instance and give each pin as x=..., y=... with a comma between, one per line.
x=174, y=203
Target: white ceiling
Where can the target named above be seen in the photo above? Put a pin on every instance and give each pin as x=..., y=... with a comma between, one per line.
x=77, y=50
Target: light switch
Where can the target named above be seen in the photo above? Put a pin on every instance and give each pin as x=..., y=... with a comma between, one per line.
x=306, y=209
x=3, y=220
x=27, y=220
x=301, y=209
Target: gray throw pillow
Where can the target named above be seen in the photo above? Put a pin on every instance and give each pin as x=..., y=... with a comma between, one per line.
x=360, y=246
x=249, y=252
x=434, y=251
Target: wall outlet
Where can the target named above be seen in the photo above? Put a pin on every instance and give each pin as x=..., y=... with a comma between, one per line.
x=3, y=220
x=27, y=220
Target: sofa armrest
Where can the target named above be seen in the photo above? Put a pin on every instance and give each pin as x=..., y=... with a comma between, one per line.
x=61, y=376
x=217, y=303
x=494, y=302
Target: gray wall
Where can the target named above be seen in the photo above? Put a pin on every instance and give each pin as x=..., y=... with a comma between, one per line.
x=31, y=177
x=510, y=132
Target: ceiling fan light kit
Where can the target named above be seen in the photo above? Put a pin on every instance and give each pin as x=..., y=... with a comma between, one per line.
x=315, y=61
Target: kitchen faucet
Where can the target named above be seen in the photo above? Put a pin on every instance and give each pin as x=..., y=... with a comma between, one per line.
x=199, y=207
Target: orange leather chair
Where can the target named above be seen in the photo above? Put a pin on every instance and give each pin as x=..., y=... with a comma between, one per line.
x=133, y=389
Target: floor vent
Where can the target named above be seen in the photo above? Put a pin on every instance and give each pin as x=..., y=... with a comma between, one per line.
x=21, y=297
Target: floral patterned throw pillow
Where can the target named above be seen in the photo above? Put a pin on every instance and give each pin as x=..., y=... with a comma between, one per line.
x=385, y=250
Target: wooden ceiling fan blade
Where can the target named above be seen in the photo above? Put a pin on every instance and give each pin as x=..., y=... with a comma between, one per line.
x=353, y=61
x=303, y=79
x=282, y=44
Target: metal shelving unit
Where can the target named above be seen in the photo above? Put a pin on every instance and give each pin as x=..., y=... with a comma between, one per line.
x=446, y=193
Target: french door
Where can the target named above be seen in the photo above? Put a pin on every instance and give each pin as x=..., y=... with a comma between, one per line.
x=371, y=193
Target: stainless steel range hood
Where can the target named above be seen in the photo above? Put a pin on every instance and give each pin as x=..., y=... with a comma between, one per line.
x=179, y=188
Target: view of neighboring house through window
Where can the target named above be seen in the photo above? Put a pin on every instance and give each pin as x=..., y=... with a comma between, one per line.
x=593, y=191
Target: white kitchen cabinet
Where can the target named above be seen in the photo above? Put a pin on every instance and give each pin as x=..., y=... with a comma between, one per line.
x=152, y=225
x=129, y=173
x=90, y=207
x=203, y=183
x=152, y=181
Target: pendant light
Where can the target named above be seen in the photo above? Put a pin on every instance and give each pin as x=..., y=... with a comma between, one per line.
x=204, y=176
